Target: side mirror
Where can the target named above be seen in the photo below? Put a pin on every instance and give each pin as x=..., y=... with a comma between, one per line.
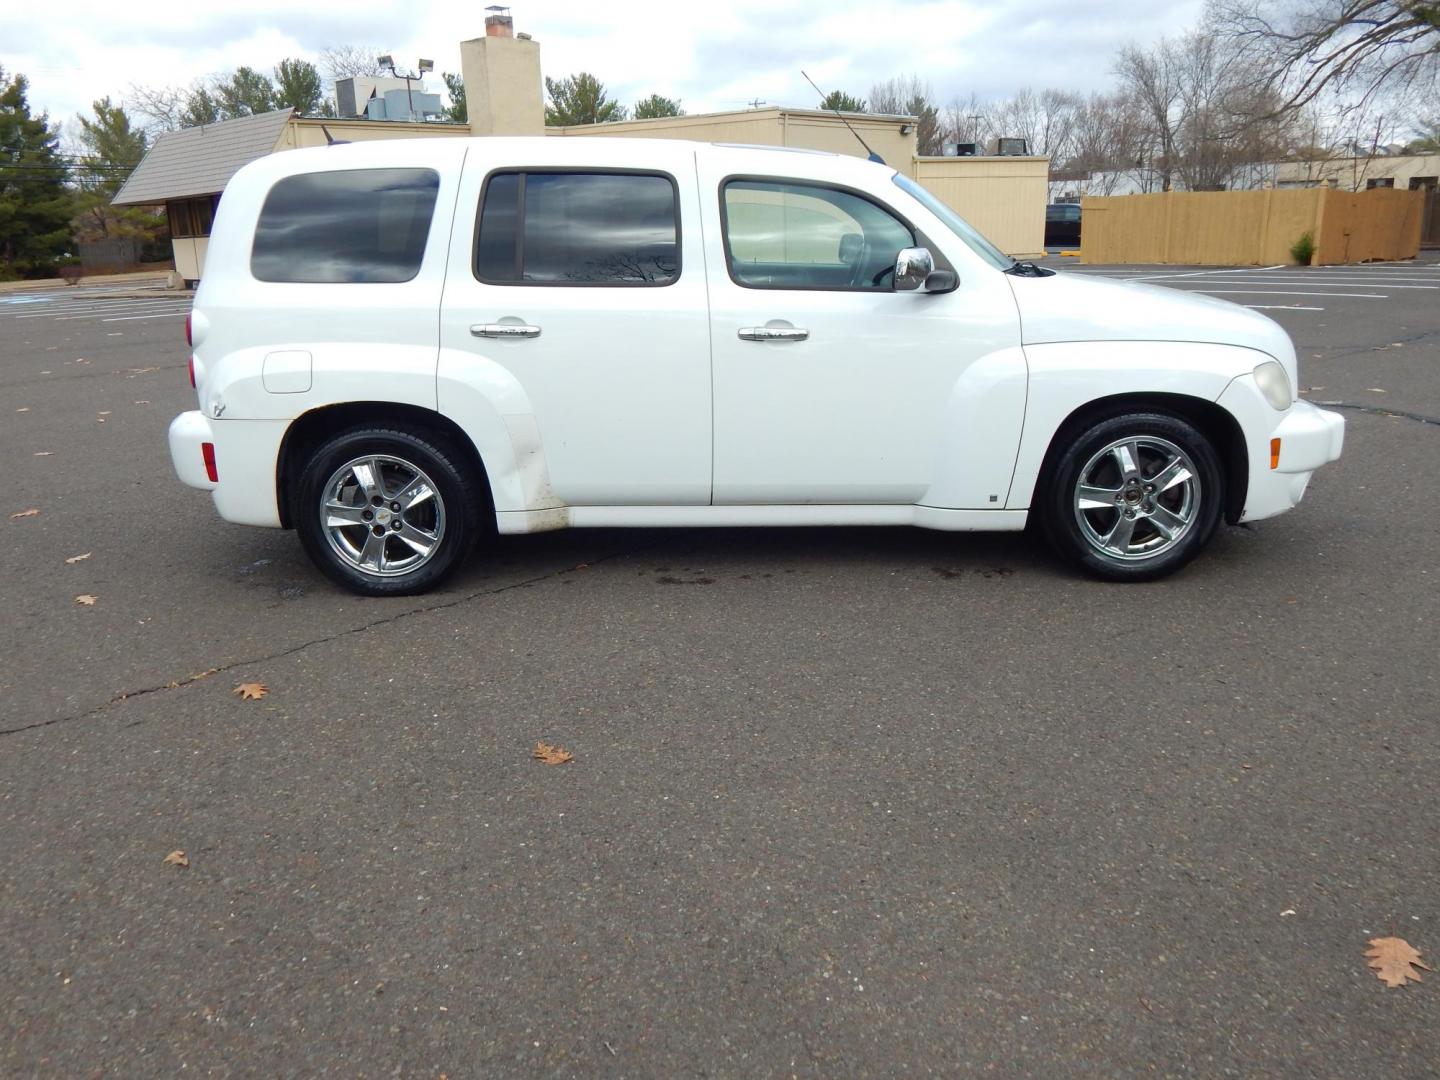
x=912, y=267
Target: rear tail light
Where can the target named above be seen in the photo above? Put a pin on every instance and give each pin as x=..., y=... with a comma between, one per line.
x=189, y=340
x=192, y=369
x=207, y=451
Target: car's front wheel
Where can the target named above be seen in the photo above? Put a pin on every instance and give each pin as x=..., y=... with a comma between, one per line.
x=387, y=512
x=1133, y=497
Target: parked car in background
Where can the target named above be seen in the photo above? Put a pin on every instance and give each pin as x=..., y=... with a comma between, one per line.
x=1062, y=223
x=400, y=352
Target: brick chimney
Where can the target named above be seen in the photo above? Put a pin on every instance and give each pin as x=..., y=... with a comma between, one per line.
x=499, y=23
x=504, y=94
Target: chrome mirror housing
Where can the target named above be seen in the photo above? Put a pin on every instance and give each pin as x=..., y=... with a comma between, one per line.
x=912, y=267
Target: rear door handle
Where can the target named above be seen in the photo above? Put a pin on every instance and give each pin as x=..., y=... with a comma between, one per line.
x=505, y=330
x=773, y=333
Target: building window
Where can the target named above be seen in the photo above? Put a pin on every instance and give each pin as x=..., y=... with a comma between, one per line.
x=781, y=235
x=1423, y=183
x=357, y=225
x=1379, y=182
x=191, y=217
x=578, y=228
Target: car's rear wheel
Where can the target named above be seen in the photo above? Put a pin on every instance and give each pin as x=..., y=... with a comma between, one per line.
x=387, y=512
x=1133, y=497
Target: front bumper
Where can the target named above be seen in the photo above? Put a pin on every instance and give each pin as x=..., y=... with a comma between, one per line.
x=246, y=453
x=1309, y=437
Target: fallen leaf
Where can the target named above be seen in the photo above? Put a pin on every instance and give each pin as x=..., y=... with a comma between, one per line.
x=1374, y=390
x=251, y=691
x=99, y=419
x=1394, y=960
x=79, y=558
x=25, y=513
x=551, y=755
x=86, y=599
x=24, y=409
x=106, y=412
x=142, y=403
x=44, y=453
x=1287, y=911
x=177, y=858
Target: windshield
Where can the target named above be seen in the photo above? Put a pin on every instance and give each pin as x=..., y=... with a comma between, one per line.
x=958, y=225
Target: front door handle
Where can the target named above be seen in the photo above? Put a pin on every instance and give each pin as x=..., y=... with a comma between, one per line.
x=505, y=330
x=773, y=333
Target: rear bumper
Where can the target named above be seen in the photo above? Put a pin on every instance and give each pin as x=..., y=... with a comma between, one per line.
x=1309, y=438
x=246, y=453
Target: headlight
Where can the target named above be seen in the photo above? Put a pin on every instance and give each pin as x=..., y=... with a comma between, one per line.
x=1274, y=384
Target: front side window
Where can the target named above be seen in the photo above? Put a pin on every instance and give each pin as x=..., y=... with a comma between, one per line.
x=784, y=235
x=578, y=228
x=359, y=225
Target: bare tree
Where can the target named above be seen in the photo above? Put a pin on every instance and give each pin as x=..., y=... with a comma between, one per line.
x=1106, y=143
x=350, y=62
x=1044, y=120
x=907, y=95
x=158, y=108
x=1354, y=49
x=968, y=120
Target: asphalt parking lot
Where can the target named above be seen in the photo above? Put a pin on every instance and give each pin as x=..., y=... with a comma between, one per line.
x=843, y=802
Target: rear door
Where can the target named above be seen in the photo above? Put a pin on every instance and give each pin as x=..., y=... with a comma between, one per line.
x=585, y=281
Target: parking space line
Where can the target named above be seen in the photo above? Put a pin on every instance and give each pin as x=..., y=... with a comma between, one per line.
x=102, y=314
x=1281, y=307
x=117, y=305
x=1288, y=292
x=158, y=315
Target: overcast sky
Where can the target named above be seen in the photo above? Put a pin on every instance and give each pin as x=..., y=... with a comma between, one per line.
x=712, y=56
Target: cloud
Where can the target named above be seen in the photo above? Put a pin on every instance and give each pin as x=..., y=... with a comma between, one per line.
x=711, y=56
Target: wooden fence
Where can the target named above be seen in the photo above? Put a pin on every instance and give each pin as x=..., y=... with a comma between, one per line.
x=1251, y=228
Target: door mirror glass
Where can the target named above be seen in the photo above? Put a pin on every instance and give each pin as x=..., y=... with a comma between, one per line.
x=912, y=266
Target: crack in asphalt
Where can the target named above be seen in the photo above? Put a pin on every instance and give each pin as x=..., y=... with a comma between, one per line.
x=425, y=609
x=1381, y=410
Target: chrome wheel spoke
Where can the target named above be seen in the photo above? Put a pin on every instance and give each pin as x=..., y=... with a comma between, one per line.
x=415, y=494
x=1118, y=538
x=1176, y=471
x=1167, y=523
x=418, y=539
x=1127, y=459
x=372, y=555
x=1090, y=497
x=340, y=515
x=367, y=475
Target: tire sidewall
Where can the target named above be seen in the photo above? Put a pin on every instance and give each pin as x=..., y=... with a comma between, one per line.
x=1062, y=529
x=440, y=461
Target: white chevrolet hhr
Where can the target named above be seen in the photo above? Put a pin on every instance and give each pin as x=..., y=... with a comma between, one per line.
x=403, y=348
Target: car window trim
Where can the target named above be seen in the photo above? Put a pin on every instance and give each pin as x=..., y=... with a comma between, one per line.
x=917, y=237
x=522, y=171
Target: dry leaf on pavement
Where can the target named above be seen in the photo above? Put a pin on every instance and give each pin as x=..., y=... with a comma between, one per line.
x=23, y=408
x=1394, y=960
x=25, y=513
x=86, y=599
x=551, y=755
x=177, y=858
x=44, y=453
x=78, y=558
x=251, y=691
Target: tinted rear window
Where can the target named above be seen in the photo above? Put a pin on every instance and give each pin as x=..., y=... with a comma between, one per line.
x=553, y=228
x=361, y=225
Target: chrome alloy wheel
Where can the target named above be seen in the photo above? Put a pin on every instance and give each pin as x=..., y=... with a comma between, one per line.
x=382, y=515
x=1137, y=498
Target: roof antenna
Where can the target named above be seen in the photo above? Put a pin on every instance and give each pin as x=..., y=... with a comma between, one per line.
x=873, y=156
x=330, y=140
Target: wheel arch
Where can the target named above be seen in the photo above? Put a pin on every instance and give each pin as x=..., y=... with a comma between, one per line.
x=1213, y=421
x=312, y=428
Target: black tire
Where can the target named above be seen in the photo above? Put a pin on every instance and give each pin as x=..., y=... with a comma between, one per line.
x=409, y=463
x=1169, y=521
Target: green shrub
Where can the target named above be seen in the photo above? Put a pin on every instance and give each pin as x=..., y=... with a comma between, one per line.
x=1303, y=250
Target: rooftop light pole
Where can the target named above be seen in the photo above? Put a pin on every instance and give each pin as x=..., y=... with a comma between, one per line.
x=426, y=66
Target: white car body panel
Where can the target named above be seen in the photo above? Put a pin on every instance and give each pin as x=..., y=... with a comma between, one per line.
x=640, y=406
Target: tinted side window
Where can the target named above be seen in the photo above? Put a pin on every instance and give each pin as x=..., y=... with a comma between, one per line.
x=360, y=225
x=803, y=236
x=552, y=228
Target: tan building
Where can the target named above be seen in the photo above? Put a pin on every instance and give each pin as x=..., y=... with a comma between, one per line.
x=185, y=171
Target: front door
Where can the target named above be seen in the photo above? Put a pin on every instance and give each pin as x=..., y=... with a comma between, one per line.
x=586, y=285
x=829, y=386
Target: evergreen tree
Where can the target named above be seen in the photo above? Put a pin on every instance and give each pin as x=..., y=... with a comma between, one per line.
x=579, y=99
x=456, y=110
x=245, y=93
x=298, y=87
x=654, y=106
x=838, y=99
x=110, y=148
x=35, y=205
